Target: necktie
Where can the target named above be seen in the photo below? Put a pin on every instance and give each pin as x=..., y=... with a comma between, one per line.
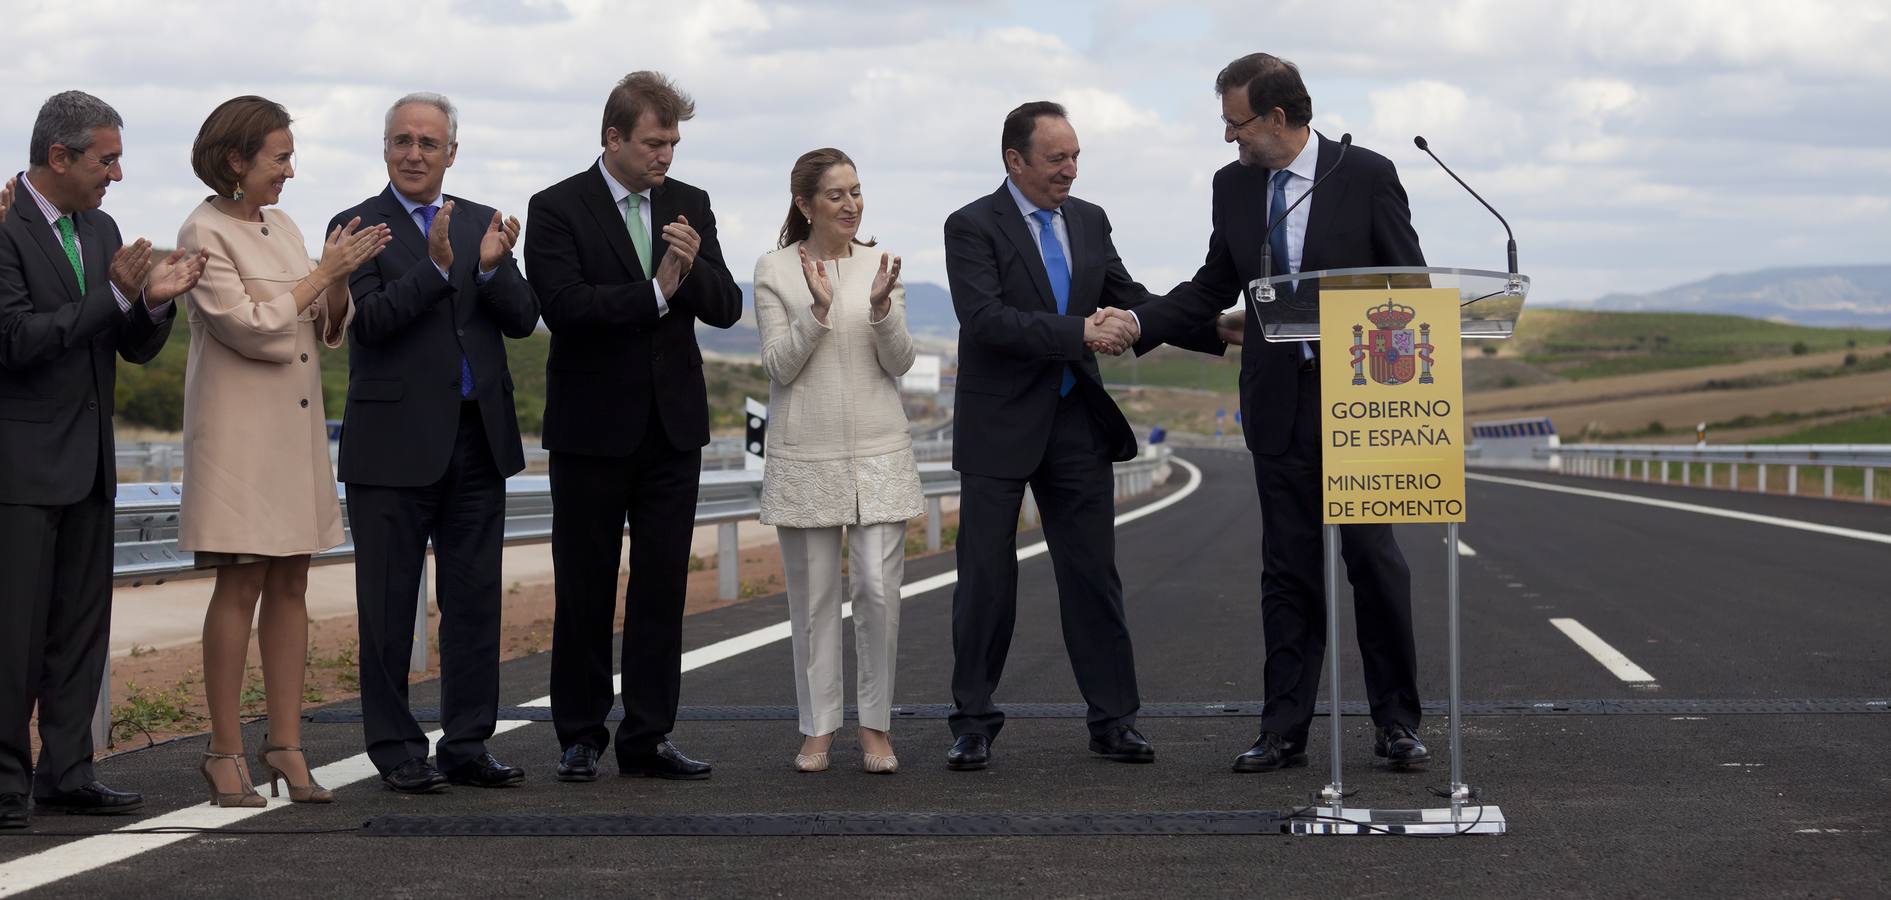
x=1058, y=269
x=639, y=236
x=466, y=367
x=1283, y=264
x=72, y=250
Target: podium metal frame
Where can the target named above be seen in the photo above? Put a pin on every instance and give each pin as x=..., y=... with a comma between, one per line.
x=1489, y=302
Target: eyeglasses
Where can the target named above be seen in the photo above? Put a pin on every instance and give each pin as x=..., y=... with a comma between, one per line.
x=428, y=146
x=104, y=162
x=1237, y=126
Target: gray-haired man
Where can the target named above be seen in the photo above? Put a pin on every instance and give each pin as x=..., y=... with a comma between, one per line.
x=427, y=441
x=72, y=297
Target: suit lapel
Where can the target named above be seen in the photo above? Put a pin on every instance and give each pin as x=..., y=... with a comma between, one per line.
x=662, y=212
x=405, y=229
x=92, y=253
x=465, y=234
x=1011, y=223
x=1322, y=207
x=610, y=219
x=1083, y=261
x=28, y=212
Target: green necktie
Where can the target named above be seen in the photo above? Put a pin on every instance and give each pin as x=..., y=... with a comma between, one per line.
x=639, y=236
x=72, y=249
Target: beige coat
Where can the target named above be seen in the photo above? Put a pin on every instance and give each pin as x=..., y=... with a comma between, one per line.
x=839, y=451
x=256, y=467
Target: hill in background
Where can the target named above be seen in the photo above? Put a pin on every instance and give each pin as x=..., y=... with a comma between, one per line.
x=1806, y=295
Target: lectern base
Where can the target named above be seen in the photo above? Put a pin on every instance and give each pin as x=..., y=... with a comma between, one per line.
x=1325, y=820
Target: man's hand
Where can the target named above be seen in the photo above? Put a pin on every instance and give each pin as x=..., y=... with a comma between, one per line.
x=1110, y=331
x=175, y=275
x=439, y=243
x=6, y=198
x=131, y=265
x=684, y=243
x=501, y=236
x=1232, y=327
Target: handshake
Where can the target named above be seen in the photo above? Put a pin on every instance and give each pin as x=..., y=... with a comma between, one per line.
x=1110, y=330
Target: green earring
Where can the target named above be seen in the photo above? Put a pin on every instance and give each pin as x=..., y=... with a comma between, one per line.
x=237, y=194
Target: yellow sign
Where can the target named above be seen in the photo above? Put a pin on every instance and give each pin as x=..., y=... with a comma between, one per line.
x=1391, y=406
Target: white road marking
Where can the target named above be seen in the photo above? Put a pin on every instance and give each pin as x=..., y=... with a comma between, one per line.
x=1464, y=549
x=86, y=854
x=1612, y=659
x=1800, y=525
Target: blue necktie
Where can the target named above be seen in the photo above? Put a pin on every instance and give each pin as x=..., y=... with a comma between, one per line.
x=466, y=367
x=1283, y=264
x=1058, y=269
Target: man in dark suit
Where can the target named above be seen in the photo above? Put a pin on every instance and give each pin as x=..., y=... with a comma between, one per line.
x=428, y=439
x=625, y=261
x=1030, y=268
x=71, y=298
x=1357, y=218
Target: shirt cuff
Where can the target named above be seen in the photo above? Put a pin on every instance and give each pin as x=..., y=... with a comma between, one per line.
x=161, y=310
x=663, y=306
x=124, y=305
x=443, y=274
x=483, y=277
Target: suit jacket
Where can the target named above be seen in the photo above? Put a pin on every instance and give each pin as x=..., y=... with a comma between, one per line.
x=1359, y=217
x=57, y=372
x=615, y=364
x=1014, y=345
x=410, y=332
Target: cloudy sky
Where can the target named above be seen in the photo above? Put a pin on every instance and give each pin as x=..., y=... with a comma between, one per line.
x=1633, y=145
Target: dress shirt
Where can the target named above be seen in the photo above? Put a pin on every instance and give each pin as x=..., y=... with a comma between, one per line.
x=618, y=193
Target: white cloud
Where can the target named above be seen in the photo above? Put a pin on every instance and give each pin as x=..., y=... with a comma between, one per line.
x=1631, y=143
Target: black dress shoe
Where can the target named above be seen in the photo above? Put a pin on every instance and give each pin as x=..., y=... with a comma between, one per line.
x=94, y=799
x=1124, y=744
x=580, y=763
x=665, y=761
x=1270, y=752
x=1401, y=748
x=13, y=811
x=415, y=776
x=968, y=753
x=485, y=772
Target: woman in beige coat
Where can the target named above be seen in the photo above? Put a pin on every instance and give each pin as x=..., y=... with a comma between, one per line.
x=259, y=496
x=834, y=342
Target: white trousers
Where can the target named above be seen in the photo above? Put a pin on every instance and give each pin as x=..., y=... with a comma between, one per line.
x=876, y=563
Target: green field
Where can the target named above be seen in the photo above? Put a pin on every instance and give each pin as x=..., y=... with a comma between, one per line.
x=1577, y=344
x=1865, y=430
x=152, y=395
x=1175, y=368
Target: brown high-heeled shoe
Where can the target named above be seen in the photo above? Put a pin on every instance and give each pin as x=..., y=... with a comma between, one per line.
x=298, y=793
x=246, y=798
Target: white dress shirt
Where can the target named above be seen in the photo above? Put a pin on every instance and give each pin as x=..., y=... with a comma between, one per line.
x=1058, y=228
x=618, y=193
x=1302, y=169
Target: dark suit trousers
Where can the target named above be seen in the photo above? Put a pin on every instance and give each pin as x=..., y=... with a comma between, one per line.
x=1076, y=501
x=593, y=497
x=1293, y=589
x=55, y=618
x=464, y=514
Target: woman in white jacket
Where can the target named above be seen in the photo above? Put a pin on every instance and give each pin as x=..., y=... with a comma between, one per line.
x=840, y=456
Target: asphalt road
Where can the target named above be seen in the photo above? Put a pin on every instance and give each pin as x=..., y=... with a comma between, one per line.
x=1733, y=801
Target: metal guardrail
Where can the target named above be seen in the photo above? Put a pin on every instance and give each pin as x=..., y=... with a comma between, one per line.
x=1604, y=460
x=145, y=524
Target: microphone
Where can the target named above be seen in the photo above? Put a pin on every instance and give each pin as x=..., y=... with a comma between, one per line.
x=1516, y=283
x=1266, y=291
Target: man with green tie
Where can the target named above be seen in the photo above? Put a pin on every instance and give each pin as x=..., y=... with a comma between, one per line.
x=625, y=260
x=72, y=297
